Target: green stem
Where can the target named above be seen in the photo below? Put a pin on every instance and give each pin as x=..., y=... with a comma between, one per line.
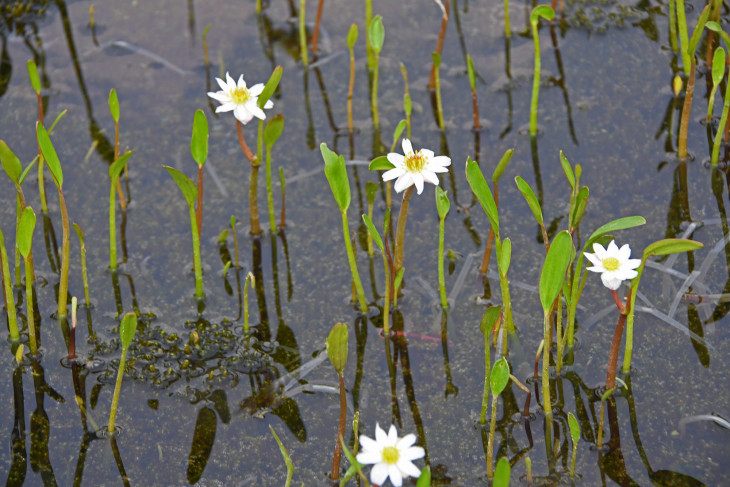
x=84, y=275
x=353, y=265
x=253, y=205
x=546, y=401
x=490, y=443
x=721, y=127
x=29, y=303
x=374, y=92
x=507, y=28
x=350, y=89
x=63, y=283
x=386, y=298
x=686, y=108
x=400, y=232
x=112, y=227
x=439, y=105
x=41, y=183
x=199, y=208
x=18, y=211
x=303, y=33
x=269, y=192
x=12, y=317
x=117, y=389
x=535, y=82
x=245, y=304
x=487, y=375
x=368, y=19
x=673, y=25
x=559, y=335
x=442, y=285
x=196, y=254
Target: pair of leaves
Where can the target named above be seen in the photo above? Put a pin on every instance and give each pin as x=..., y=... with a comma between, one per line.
x=442, y=202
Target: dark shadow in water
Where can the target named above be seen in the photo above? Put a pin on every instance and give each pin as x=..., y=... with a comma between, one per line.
x=19, y=457
x=40, y=426
x=203, y=439
x=118, y=460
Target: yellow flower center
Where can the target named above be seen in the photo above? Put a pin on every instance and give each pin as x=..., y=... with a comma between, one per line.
x=239, y=96
x=390, y=455
x=611, y=264
x=415, y=162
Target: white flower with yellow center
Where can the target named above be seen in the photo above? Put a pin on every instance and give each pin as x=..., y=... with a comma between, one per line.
x=415, y=167
x=243, y=101
x=613, y=263
x=391, y=456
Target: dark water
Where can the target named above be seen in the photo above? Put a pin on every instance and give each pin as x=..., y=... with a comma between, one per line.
x=202, y=413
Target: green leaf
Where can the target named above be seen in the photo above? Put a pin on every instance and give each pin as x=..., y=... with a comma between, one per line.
x=377, y=33
x=502, y=166
x=337, y=347
x=574, y=428
x=116, y=169
x=614, y=226
x=127, y=329
x=568, y=170
x=186, y=185
x=499, y=377
x=556, y=263
x=399, y=130
x=371, y=189
x=273, y=130
x=436, y=58
x=114, y=105
x=270, y=87
x=442, y=202
x=480, y=188
x=53, y=125
x=49, y=154
x=352, y=36
x=223, y=236
x=489, y=319
x=530, y=197
x=671, y=246
x=713, y=26
x=199, y=139
x=544, y=11
x=10, y=162
x=718, y=66
x=399, y=277
x=502, y=473
x=284, y=453
x=424, y=480
x=580, y=207
x=470, y=72
x=336, y=172
x=80, y=233
x=35, y=81
x=699, y=28
x=380, y=164
x=386, y=221
x=26, y=226
x=27, y=169
x=407, y=105
x=505, y=256
x=373, y=232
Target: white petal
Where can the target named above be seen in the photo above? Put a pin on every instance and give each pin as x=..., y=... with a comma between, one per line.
x=405, y=442
x=627, y=274
x=418, y=179
x=380, y=435
x=255, y=110
x=408, y=469
x=596, y=268
x=256, y=89
x=396, y=159
x=220, y=96
x=226, y=107
x=269, y=104
x=430, y=177
x=403, y=182
x=368, y=443
x=407, y=147
x=230, y=84
x=392, y=436
x=612, y=248
x=241, y=114
x=368, y=457
x=592, y=257
x=428, y=154
x=222, y=84
x=442, y=161
x=395, y=476
x=609, y=282
x=396, y=172
x=241, y=82
x=632, y=263
x=624, y=253
x=599, y=251
x=412, y=453
x=379, y=473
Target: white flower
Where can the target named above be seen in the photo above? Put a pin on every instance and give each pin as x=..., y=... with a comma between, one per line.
x=392, y=457
x=415, y=167
x=613, y=264
x=243, y=101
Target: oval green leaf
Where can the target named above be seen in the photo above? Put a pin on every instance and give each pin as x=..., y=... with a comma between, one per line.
x=470, y=72
x=505, y=257
x=337, y=347
x=580, y=207
x=671, y=246
x=35, y=81
x=273, y=130
x=574, y=428
x=502, y=166
x=424, y=480
x=26, y=226
x=270, y=87
x=371, y=189
x=553, y=270
x=531, y=199
x=127, y=329
x=352, y=36
x=499, y=377
x=380, y=164
x=199, y=139
x=480, y=188
x=336, y=173
x=490, y=318
x=27, y=169
x=10, y=162
x=373, y=232
x=116, y=169
x=442, y=202
x=614, y=226
x=377, y=33
x=114, y=105
x=544, y=11
x=188, y=188
x=718, y=66
x=49, y=154
x=502, y=473
x=399, y=130
x=568, y=170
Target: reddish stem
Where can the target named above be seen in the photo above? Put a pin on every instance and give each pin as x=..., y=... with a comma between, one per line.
x=439, y=44
x=613, y=352
x=315, y=36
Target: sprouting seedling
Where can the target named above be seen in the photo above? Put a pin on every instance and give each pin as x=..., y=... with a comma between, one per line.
x=718, y=72
x=490, y=321
x=235, y=240
x=502, y=473
x=375, y=236
x=496, y=176
x=407, y=104
x=10, y=299
x=376, y=36
x=14, y=169
x=336, y=173
x=199, y=151
x=272, y=132
x=351, y=40
x=127, y=329
x=575, y=436
x=557, y=260
x=437, y=86
x=287, y=458
x=282, y=182
x=432, y=83
x=498, y=380
x=26, y=226
x=337, y=353
x=190, y=193
x=303, y=33
x=719, y=66
x=36, y=84
x=442, y=207
x=249, y=277
x=54, y=165
x=115, y=170
x=84, y=276
x=114, y=110
x=546, y=12
x=473, y=85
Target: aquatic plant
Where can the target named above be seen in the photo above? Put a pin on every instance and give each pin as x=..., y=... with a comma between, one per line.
x=391, y=457
x=718, y=71
x=199, y=151
x=127, y=329
x=249, y=277
x=115, y=171
x=574, y=428
x=114, y=110
x=282, y=182
x=442, y=207
x=498, y=380
x=337, y=352
x=433, y=80
x=437, y=88
x=351, y=40
x=473, y=85
x=272, y=132
x=84, y=275
x=375, y=236
x=35, y=82
x=235, y=241
x=26, y=227
x=8, y=289
x=315, y=34
x=490, y=322
x=287, y=458
x=14, y=170
x=376, y=38
x=546, y=12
